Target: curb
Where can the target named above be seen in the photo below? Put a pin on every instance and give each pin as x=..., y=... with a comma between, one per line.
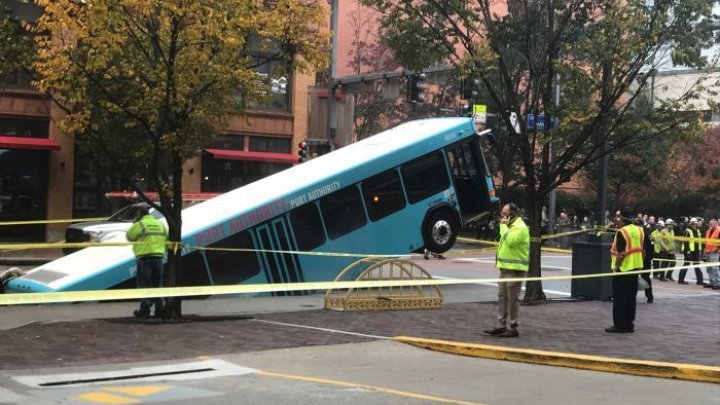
x=645, y=368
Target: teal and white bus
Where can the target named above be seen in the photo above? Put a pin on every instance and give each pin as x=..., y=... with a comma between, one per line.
x=400, y=191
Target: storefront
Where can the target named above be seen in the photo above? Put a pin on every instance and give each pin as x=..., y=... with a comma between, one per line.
x=24, y=163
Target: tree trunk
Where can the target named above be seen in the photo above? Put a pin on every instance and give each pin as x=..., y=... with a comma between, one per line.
x=534, y=293
x=174, y=304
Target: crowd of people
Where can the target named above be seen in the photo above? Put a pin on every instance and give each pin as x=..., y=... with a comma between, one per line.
x=686, y=242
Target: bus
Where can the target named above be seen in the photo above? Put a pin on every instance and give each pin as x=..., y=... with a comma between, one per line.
x=403, y=190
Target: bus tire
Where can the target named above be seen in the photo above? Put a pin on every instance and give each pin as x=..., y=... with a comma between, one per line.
x=440, y=230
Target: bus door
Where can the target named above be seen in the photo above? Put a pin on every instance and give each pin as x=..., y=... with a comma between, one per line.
x=279, y=267
x=468, y=172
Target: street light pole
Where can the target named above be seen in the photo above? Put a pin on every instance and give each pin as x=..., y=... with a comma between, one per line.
x=331, y=122
x=553, y=158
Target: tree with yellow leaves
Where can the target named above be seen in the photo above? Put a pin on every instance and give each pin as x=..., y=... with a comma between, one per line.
x=164, y=75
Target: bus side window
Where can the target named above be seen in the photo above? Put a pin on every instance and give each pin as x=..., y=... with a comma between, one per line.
x=343, y=211
x=194, y=272
x=425, y=176
x=307, y=227
x=383, y=194
x=233, y=267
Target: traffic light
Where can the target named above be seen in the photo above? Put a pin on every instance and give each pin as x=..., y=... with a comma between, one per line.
x=302, y=152
x=417, y=88
x=470, y=89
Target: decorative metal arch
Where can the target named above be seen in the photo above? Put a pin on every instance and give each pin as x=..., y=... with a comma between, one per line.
x=383, y=298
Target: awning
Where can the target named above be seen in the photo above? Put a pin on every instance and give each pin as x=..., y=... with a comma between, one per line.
x=267, y=157
x=21, y=142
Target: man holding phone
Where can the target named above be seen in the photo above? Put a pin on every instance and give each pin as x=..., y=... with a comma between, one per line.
x=513, y=260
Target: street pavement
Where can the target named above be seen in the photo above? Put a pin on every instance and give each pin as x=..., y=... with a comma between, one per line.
x=296, y=338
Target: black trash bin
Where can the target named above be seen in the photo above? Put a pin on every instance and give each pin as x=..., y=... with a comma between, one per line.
x=592, y=256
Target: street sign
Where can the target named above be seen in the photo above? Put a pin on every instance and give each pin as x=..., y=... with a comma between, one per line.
x=539, y=122
x=480, y=113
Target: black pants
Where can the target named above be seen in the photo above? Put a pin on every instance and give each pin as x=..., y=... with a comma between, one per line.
x=689, y=258
x=624, y=300
x=647, y=265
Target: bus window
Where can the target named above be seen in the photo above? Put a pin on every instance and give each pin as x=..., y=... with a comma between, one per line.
x=193, y=271
x=383, y=194
x=425, y=176
x=343, y=211
x=307, y=227
x=233, y=267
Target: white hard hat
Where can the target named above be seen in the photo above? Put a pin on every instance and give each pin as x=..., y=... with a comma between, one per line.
x=693, y=220
x=660, y=223
x=669, y=221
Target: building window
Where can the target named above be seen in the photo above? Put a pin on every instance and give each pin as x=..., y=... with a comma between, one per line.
x=274, y=75
x=229, y=142
x=219, y=176
x=24, y=128
x=269, y=144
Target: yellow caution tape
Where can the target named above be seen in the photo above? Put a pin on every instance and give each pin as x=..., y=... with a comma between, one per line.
x=52, y=221
x=112, y=295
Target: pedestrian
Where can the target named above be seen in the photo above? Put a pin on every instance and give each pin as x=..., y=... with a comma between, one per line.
x=657, y=251
x=712, y=253
x=648, y=253
x=626, y=257
x=151, y=236
x=692, y=246
x=667, y=240
x=513, y=260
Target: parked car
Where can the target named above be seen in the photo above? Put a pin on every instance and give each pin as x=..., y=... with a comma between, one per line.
x=100, y=231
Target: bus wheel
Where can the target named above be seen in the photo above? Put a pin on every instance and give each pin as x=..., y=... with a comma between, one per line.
x=440, y=231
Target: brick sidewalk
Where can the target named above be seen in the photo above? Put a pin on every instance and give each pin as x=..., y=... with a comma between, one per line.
x=683, y=330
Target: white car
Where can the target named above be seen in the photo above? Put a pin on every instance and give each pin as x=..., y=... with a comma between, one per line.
x=101, y=231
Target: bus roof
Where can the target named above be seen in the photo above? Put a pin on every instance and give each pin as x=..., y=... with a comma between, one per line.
x=318, y=171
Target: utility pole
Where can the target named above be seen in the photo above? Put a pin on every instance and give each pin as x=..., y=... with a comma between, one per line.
x=331, y=121
x=553, y=158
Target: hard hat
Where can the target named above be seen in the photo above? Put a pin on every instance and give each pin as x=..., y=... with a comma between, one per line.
x=660, y=223
x=693, y=220
x=669, y=222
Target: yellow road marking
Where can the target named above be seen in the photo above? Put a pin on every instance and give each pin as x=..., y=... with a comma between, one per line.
x=368, y=387
x=105, y=398
x=140, y=391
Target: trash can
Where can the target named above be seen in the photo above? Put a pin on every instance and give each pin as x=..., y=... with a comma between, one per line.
x=592, y=256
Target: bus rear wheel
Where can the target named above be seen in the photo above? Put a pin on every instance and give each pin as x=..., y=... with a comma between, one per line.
x=440, y=231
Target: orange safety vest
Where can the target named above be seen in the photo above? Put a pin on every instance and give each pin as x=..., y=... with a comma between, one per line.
x=633, y=254
x=710, y=234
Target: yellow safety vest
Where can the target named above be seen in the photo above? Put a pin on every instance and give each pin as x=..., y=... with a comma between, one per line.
x=153, y=235
x=513, y=251
x=693, y=245
x=633, y=253
x=655, y=237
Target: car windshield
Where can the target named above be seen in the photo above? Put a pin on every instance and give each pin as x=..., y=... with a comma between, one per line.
x=129, y=213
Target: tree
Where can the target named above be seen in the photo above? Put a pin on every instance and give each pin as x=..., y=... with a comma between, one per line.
x=169, y=73
x=16, y=45
x=601, y=50
x=373, y=112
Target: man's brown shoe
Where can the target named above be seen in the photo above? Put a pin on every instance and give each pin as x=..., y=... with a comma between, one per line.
x=495, y=331
x=509, y=333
